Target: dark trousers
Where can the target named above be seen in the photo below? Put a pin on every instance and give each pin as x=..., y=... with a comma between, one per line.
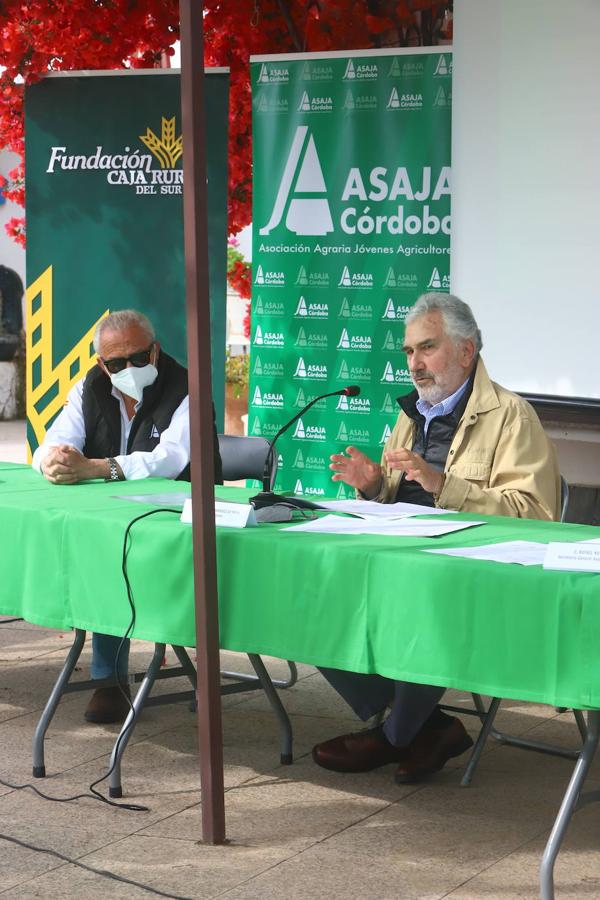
x=411, y=704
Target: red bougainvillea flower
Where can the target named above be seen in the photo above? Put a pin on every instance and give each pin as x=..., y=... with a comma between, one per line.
x=246, y=321
x=240, y=278
x=41, y=35
x=15, y=228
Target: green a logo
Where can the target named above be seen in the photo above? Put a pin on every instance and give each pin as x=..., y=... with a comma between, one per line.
x=344, y=373
x=394, y=100
x=394, y=69
x=344, y=312
x=389, y=343
x=300, y=400
x=388, y=405
x=301, y=339
x=342, y=434
x=262, y=104
x=390, y=278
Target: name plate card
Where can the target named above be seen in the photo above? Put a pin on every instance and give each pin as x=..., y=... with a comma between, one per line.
x=233, y=515
x=583, y=557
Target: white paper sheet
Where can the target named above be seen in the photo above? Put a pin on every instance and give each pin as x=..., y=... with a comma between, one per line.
x=384, y=527
x=523, y=553
x=370, y=508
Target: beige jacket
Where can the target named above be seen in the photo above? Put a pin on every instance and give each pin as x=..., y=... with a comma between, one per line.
x=500, y=461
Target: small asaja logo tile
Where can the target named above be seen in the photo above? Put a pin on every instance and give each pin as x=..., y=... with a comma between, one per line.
x=360, y=280
x=439, y=282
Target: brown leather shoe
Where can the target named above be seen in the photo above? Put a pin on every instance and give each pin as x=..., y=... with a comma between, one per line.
x=430, y=750
x=360, y=751
x=108, y=705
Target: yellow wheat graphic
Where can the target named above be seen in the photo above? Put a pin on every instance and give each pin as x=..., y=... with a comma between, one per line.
x=167, y=149
x=52, y=383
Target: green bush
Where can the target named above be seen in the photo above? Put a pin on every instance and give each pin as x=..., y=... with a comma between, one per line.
x=237, y=371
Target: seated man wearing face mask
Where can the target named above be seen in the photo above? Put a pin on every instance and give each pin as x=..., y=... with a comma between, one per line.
x=127, y=419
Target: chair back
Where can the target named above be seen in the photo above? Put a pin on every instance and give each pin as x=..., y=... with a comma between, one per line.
x=244, y=457
x=564, y=498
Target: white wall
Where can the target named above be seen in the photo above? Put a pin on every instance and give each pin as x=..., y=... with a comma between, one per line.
x=526, y=192
x=11, y=254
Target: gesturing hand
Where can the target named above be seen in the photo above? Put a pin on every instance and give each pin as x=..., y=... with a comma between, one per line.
x=357, y=470
x=416, y=469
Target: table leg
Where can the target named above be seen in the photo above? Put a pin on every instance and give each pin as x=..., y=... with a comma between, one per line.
x=579, y=718
x=187, y=665
x=568, y=805
x=39, y=768
x=488, y=721
x=282, y=683
x=285, y=727
x=115, y=788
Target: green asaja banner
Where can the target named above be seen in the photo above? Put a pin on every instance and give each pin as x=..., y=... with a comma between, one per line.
x=351, y=222
x=105, y=221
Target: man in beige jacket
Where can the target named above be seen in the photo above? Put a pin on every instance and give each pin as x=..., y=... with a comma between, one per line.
x=461, y=442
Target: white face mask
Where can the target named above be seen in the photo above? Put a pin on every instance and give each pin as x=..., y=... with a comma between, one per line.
x=132, y=380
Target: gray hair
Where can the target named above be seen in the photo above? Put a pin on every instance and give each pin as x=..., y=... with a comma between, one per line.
x=120, y=321
x=459, y=321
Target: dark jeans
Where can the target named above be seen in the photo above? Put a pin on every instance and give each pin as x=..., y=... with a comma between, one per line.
x=104, y=652
x=411, y=704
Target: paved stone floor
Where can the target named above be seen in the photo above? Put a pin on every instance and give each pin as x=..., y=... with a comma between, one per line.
x=295, y=832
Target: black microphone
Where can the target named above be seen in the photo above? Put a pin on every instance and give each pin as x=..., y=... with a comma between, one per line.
x=266, y=496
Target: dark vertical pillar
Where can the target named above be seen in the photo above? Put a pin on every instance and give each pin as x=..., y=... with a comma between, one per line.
x=210, y=735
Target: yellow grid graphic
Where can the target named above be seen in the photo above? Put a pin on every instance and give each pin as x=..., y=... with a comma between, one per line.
x=79, y=360
x=166, y=148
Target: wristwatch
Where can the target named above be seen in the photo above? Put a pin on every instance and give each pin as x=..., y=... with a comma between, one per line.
x=113, y=470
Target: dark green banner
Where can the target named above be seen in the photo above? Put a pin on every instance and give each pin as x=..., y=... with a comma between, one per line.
x=351, y=222
x=105, y=221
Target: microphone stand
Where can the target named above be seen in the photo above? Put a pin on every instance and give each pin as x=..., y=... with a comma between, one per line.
x=267, y=497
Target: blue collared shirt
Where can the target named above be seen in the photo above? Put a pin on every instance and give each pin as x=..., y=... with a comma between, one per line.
x=443, y=408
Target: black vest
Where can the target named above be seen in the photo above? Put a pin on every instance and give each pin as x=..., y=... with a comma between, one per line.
x=102, y=417
x=433, y=446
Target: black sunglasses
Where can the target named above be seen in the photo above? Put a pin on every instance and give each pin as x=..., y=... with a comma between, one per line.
x=139, y=359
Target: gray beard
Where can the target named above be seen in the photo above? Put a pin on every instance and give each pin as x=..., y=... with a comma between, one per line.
x=444, y=387
x=433, y=394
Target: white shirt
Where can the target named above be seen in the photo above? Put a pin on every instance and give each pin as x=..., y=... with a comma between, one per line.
x=168, y=459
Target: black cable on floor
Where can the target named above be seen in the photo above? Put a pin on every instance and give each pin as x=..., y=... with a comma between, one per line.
x=132, y=807
x=92, y=788
x=102, y=872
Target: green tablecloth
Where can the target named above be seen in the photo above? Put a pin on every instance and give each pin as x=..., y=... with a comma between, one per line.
x=369, y=604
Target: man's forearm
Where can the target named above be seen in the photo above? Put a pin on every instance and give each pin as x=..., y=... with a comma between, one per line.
x=96, y=468
x=101, y=468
